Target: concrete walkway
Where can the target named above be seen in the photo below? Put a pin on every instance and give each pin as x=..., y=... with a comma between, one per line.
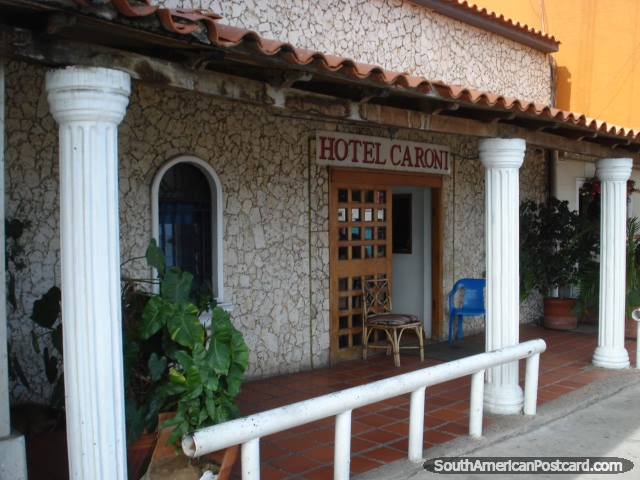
x=601, y=420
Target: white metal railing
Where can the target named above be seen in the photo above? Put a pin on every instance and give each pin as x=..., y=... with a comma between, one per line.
x=247, y=431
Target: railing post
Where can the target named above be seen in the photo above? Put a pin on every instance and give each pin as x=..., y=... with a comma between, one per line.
x=416, y=425
x=250, y=454
x=476, y=404
x=531, y=384
x=342, y=452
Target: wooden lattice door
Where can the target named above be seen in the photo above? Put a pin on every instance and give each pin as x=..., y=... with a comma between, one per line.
x=360, y=246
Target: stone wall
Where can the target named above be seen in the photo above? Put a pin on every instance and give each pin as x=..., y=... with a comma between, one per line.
x=397, y=35
x=273, y=229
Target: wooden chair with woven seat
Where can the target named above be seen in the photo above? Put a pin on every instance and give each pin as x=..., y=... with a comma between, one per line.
x=378, y=315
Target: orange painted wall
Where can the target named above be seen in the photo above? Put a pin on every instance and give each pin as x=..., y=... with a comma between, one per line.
x=599, y=57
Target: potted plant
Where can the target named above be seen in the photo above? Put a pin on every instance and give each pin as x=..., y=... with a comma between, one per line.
x=555, y=245
x=191, y=370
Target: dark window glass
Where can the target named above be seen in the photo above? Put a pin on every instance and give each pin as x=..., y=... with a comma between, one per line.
x=185, y=214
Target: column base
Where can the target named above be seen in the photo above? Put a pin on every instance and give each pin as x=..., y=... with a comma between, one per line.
x=13, y=458
x=611, y=357
x=503, y=399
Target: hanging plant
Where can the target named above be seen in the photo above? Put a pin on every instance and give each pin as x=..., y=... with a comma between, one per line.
x=592, y=186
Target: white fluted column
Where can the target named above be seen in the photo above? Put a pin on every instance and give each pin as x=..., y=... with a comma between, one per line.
x=613, y=174
x=502, y=159
x=88, y=104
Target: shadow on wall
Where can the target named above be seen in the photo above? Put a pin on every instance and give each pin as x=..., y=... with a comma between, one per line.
x=563, y=88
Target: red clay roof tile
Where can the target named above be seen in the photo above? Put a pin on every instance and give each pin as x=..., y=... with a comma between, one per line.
x=497, y=17
x=229, y=36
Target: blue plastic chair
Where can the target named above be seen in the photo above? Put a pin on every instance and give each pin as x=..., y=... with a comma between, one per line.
x=472, y=302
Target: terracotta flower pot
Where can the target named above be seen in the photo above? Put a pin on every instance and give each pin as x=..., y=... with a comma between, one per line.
x=166, y=465
x=139, y=455
x=558, y=313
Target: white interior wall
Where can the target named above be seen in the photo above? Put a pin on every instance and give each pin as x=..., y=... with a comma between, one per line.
x=412, y=272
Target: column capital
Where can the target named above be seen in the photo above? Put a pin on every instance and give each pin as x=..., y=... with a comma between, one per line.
x=502, y=152
x=88, y=94
x=614, y=169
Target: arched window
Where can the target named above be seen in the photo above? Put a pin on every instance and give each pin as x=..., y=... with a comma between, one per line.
x=186, y=208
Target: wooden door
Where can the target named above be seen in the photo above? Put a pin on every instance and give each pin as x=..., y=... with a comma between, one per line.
x=360, y=246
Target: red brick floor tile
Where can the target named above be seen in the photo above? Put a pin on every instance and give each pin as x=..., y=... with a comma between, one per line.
x=323, y=454
x=362, y=465
x=358, y=428
x=271, y=451
x=296, y=444
x=275, y=437
x=376, y=420
x=401, y=445
x=322, y=435
x=384, y=454
x=437, y=437
x=401, y=428
x=296, y=464
x=322, y=473
x=379, y=436
x=359, y=445
x=448, y=414
x=267, y=471
x=397, y=413
x=431, y=422
x=437, y=401
x=461, y=407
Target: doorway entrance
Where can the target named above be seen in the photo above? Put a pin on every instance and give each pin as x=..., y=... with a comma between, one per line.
x=361, y=245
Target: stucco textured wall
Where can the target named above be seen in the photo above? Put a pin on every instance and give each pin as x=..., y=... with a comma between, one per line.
x=397, y=35
x=263, y=164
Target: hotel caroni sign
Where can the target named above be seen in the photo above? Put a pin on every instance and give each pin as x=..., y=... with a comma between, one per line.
x=347, y=150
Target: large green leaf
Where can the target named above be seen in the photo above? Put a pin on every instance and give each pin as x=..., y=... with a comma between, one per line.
x=155, y=257
x=185, y=327
x=200, y=355
x=184, y=359
x=210, y=405
x=176, y=285
x=194, y=382
x=220, y=353
x=157, y=366
x=172, y=421
x=212, y=383
x=176, y=377
x=240, y=351
x=169, y=389
x=234, y=380
x=155, y=316
x=178, y=433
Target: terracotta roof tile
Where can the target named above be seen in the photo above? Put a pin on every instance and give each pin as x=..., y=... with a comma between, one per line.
x=184, y=21
x=497, y=17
